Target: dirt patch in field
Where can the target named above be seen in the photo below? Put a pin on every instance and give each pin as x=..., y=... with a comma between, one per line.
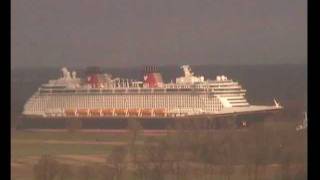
x=83, y=158
x=106, y=131
x=85, y=142
x=71, y=142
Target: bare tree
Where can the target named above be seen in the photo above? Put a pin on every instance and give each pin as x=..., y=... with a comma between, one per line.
x=87, y=172
x=117, y=160
x=141, y=170
x=46, y=169
x=256, y=148
x=156, y=155
x=65, y=172
x=107, y=172
x=134, y=130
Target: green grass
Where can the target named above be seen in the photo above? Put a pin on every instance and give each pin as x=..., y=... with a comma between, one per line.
x=68, y=136
x=19, y=150
x=27, y=143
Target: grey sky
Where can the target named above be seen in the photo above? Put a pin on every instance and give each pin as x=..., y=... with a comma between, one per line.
x=137, y=32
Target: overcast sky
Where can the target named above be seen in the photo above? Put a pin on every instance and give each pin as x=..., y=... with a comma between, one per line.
x=121, y=33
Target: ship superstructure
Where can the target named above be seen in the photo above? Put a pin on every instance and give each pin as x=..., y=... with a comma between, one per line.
x=101, y=95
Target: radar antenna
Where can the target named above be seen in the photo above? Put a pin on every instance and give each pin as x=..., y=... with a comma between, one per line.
x=66, y=73
x=277, y=104
x=187, y=70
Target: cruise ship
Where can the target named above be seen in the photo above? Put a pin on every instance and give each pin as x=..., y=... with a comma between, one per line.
x=100, y=97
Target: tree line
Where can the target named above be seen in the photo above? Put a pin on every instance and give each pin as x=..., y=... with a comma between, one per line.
x=262, y=151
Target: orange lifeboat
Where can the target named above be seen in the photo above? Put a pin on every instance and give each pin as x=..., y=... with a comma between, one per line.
x=70, y=112
x=107, y=112
x=160, y=112
x=146, y=112
x=83, y=112
x=95, y=112
x=133, y=112
x=120, y=112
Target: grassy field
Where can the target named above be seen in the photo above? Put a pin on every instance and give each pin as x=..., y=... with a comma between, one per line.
x=72, y=147
x=30, y=143
x=21, y=150
x=65, y=135
x=86, y=152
